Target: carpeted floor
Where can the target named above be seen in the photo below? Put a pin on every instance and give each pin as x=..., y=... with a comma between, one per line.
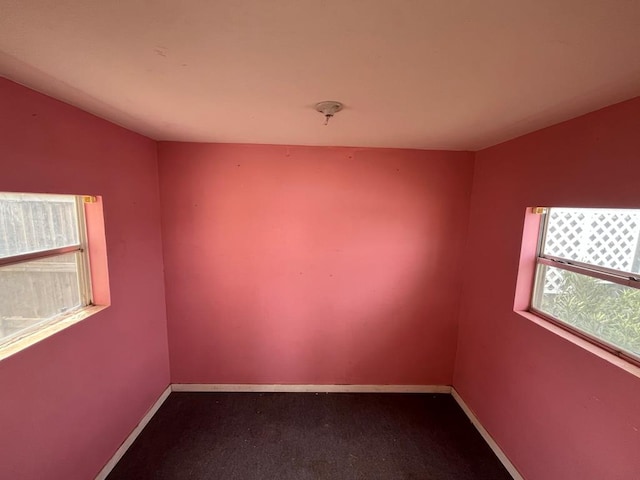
x=282, y=436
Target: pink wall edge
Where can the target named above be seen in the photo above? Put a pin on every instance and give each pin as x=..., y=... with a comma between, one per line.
x=556, y=409
x=69, y=401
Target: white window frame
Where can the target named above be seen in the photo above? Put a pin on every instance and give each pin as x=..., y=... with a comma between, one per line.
x=15, y=342
x=628, y=279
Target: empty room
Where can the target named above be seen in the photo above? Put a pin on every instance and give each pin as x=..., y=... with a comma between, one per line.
x=320, y=240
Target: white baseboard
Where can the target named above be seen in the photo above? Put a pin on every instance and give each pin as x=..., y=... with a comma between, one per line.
x=106, y=470
x=217, y=387
x=487, y=437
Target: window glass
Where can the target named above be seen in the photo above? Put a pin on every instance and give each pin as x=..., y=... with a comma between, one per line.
x=603, y=309
x=43, y=261
x=587, y=276
x=598, y=236
x=36, y=291
x=32, y=223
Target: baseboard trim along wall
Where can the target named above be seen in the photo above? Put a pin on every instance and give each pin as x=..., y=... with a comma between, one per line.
x=106, y=470
x=487, y=437
x=209, y=387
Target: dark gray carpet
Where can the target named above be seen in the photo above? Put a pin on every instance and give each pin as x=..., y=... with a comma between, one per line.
x=282, y=436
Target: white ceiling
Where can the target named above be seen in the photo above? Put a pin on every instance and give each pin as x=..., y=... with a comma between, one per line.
x=441, y=74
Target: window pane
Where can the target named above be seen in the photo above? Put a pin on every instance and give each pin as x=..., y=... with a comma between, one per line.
x=31, y=223
x=36, y=291
x=605, y=237
x=602, y=309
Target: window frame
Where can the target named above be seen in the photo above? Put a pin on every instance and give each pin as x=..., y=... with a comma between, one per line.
x=13, y=343
x=620, y=277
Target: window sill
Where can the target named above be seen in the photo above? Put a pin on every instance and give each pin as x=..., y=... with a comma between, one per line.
x=580, y=342
x=19, y=343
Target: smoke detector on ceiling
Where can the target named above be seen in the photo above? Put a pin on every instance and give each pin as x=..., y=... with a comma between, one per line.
x=329, y=108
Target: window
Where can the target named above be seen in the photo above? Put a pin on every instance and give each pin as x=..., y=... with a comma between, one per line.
x=44, y=271
x=588, y=275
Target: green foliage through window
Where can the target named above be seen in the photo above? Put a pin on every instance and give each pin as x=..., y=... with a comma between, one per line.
x=603, y=309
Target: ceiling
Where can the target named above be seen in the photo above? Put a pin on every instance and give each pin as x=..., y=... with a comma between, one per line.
x=441, y=74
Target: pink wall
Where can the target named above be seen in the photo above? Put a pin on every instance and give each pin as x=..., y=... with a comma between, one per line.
x=69, y=401
x=558, y=411
x=312, y=265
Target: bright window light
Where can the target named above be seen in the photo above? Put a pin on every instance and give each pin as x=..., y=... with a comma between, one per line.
x=588, y=275
x=44, y=272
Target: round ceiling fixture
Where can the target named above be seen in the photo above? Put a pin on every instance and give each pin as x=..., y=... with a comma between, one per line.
x=329, y=108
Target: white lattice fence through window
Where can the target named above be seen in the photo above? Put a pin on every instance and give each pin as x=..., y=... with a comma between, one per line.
x=609, y=238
